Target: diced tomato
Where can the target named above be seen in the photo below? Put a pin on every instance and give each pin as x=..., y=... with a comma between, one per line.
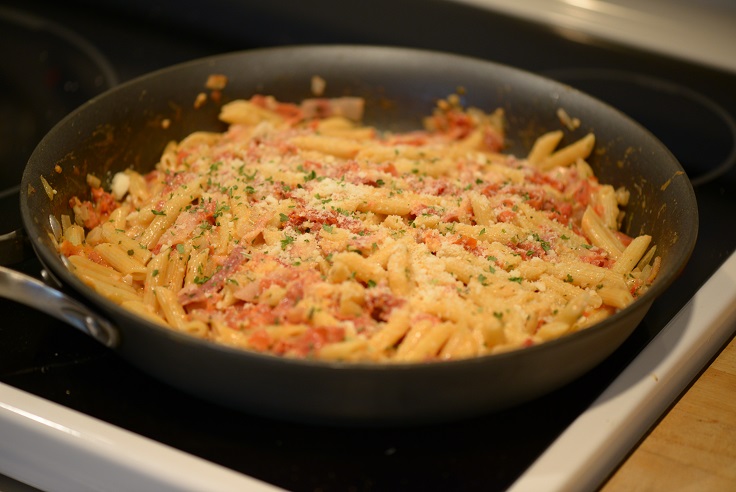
x=96, y=211
x=430, y=237
x=390, y=169
x=324, y=217
x=624, y=238
x=252, y=315
x=68, y=249
x=583, y=193
x=535, y=199
x=380, y=302
x=466, y=242
x=491, y=189
x=414, y=138
x=453, y=123
x=546, y=179
x=174, y=180
x=561, y=212
x=84, y=211
x=505, y=216
x=260, y=340
x=597, y=258
x=104, y=200
x=310, y=341
x=289, y=111
x=493, y=140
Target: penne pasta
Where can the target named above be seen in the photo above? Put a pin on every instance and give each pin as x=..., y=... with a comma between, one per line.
x=423, y=341
x=170, y=307
x=600, y=235
x=544, y=146
x=166, y=217
x=633, y=253
x=299, y=232
x=569, y=155
x=121, y=260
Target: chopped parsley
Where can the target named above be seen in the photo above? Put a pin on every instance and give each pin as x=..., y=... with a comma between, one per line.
x=286, y=242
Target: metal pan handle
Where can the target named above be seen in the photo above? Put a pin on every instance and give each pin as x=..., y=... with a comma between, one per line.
x=27, y=290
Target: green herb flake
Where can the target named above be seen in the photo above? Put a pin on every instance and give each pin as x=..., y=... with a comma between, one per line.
x=286, y=242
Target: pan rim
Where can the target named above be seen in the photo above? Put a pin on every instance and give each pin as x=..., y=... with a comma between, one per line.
x=50, y=258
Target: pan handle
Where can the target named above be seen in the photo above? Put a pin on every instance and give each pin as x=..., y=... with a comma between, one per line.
x=27, y=290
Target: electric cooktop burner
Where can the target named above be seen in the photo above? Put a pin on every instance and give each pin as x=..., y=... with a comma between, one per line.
x=46, y=71
x=677, y=115
x=690, y=108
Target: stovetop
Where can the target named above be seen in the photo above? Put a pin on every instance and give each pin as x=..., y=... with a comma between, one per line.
x=691, y=108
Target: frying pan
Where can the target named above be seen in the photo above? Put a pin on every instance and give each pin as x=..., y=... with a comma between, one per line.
x=124, y=128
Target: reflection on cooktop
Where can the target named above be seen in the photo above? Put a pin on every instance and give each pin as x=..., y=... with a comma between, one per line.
x=46, y=71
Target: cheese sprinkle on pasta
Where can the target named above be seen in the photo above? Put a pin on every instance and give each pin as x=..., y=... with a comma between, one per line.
x=300, y=232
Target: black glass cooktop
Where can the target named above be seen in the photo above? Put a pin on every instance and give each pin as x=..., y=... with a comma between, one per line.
x=689, y=107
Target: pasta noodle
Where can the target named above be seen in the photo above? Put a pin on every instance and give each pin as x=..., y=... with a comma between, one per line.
x=301, y=232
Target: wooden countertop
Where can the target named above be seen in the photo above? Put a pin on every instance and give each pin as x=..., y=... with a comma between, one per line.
x=693, y=447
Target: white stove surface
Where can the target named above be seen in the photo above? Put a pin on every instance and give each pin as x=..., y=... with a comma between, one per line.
x=702, y=31
x=598, y=440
